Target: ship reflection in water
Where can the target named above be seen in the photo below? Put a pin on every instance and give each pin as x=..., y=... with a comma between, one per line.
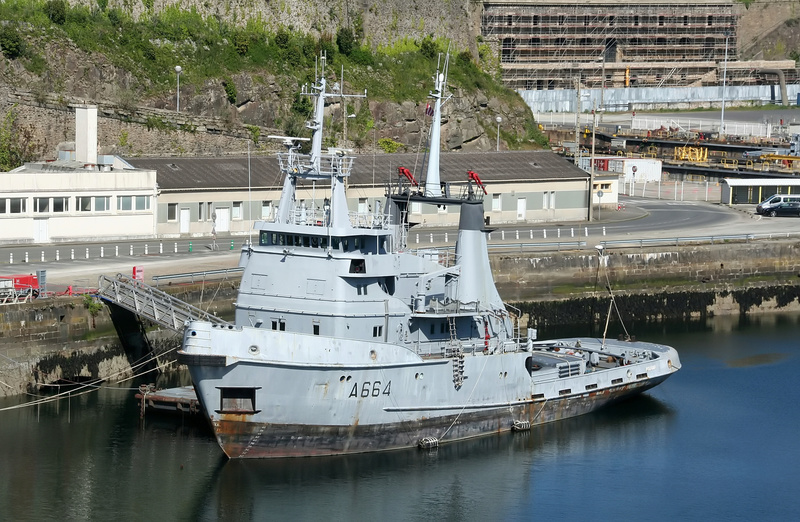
x=488, y=478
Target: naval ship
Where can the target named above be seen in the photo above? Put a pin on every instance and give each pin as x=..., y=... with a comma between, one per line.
x=345, y=340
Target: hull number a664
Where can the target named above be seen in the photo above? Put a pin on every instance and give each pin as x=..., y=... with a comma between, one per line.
x=371, y=389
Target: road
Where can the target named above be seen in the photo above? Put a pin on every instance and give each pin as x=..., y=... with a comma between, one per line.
x=641, y=219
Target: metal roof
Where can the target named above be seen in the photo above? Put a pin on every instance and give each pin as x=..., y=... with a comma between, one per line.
x=225, y=173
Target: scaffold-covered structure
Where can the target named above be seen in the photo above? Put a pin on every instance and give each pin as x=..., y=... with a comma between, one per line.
x=547, y=45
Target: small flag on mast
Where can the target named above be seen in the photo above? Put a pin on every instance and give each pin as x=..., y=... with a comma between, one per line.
x=429, y=110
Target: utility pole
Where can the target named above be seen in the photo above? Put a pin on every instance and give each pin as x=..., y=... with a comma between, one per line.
x=577, y=121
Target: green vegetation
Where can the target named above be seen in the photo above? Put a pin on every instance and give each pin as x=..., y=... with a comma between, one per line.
x=16, y=143
x=210, y=49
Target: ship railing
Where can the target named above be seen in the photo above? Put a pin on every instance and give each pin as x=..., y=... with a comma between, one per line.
x=302, y=164
x=445, y=347
x=308, y=216
x=369, y=220
x=444, y=257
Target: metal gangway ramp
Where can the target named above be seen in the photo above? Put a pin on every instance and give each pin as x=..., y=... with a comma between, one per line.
x=151, y=303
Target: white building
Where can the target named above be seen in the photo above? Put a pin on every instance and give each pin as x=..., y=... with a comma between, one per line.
x=79, y=197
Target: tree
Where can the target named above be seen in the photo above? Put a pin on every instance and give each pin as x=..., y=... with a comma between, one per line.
x=56, y=11
x=345, y=40
x=10, y=42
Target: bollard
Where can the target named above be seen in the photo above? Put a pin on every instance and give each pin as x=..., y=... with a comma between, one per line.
x=176, y=247
x=160, y=247
x=571, y=232
x=72, y=253
x=517, y=234
x=558, y=232
x=490, y=236
x=431, y=237
x=116, y=250
x=26, y=257
x=418, y=239
x=42, y=256
x=87, y=252
x=502, y=235
x=102, y=251
x=190, y=246
x=131, y=250
x=231, y=244
x=145, y=249
x=11, y=258
x=445, y=237
x=531, y=234
x=544, y=233
x=57, y=256
x=586, y=231
x=604, y=231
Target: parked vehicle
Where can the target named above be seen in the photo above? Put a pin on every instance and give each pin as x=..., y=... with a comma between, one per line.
x=785, y=209
x=773, y=201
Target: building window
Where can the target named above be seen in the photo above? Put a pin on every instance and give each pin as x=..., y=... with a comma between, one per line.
x=172, y=212
x=200, y=208
x=209, y=212
x=496, y=205
x=236, y=213
x=17, y=205
x=102, y=203
x=142, y=202
x=41, y=205
x=416, y=207
x=2, y=206
x=83, y=203
x=549, y=200
x=124, y=203
x=266, y=209
x=60, y=204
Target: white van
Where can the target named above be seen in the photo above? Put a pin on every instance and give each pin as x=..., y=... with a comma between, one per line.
x=776, y=199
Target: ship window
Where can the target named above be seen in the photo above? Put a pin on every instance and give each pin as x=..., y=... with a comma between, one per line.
x=335, y=243
x=433, y=328
x=315, y=242
x=279, y=324
x=306, y=241
x=323, y=243
x=357, y=266
x=346, y=244
x=237, y=400
x=442, y=327
x=316, y=328
x=377, y=331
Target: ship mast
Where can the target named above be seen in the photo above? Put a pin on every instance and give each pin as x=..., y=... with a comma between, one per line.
x=433, y=186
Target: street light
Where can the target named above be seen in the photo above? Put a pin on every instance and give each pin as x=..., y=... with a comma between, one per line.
x=499, y=120
x=178, y=92
x=724, y=78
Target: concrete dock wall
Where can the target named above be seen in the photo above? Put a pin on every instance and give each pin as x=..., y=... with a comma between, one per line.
x=51, y=339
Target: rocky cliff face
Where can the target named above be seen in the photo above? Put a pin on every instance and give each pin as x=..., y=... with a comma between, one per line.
x=134, y=123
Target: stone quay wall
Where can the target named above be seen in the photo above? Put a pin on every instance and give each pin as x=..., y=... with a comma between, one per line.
x=51, y=339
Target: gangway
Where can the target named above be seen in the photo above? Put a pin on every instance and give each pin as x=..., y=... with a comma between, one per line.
x=151, y=303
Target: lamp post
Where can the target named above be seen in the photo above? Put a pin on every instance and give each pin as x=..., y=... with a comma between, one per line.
x=591, y=169
x=499, y=120
x=178, y=71
x=724, y=78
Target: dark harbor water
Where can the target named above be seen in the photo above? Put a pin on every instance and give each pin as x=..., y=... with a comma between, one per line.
x=720, y=440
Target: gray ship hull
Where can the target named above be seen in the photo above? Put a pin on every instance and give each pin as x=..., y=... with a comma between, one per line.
x=241, y=439
x=384, y=397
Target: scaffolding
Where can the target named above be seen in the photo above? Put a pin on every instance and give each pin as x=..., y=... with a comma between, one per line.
x=547, y=45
